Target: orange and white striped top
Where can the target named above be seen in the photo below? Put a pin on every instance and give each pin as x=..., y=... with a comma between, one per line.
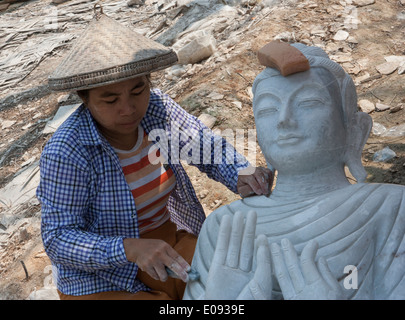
x=151, y=184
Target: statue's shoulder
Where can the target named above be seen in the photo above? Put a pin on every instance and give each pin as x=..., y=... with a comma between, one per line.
x=383, y=189
x=393, y=188
x=382, y=199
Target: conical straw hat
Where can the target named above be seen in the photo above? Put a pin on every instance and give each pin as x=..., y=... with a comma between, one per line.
x=108, y=52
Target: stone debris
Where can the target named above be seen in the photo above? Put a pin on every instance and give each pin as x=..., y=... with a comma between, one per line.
x=135, y=3
x=366, y=106
x=395, y=59
x=215, y=96
x=237, y=104
x=362, y=3
x=401, y=68
x=381, y=107
x=367, y=78
x=285, y=36
x=203, y=193
x=352, y=40
x=341, y=35
x=378, y=129
x=384, y=155
x=21, y=54
x=397, y=108
x=216, y=204
x=208, y=120
x=387, y=67
x=175, y=72
x=393, y=132
x=46, y=293
x=5, y=4
x=7, y=124
x=22, y=188
x=61, y=115
x=398, y=61
x=198, y=49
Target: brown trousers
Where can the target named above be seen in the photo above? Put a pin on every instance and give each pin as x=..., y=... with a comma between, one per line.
x=172, y=289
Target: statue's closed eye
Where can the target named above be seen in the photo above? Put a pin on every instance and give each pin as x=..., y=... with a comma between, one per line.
x=267, y=111
x=310, y=103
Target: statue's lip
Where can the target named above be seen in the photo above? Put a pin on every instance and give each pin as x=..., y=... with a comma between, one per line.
x=289, y=139
x=289, y=136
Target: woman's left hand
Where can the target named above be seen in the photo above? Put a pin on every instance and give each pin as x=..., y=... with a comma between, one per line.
x=254, y=180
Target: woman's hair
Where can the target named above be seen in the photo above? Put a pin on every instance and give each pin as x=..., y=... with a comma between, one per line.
x=84, y=94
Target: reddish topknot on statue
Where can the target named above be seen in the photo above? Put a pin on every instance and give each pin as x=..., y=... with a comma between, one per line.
x=283, y=57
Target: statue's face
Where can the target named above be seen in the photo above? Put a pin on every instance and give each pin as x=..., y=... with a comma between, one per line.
x=299, y=126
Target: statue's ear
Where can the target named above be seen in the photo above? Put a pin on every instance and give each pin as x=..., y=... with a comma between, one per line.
x=359, y=131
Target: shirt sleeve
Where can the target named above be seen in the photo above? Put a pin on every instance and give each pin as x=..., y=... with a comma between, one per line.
x=65, y=194
x=199, y=146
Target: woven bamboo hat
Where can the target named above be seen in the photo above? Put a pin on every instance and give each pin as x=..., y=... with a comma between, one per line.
x=108, y=52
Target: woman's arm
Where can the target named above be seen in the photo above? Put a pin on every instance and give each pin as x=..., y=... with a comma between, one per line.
x=194, y=142
x=64, y=192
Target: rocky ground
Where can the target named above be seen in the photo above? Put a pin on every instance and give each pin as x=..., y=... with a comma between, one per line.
x=365, y=36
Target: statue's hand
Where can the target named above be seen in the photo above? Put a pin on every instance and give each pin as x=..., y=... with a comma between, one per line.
x=304, y=279
x=231, y=273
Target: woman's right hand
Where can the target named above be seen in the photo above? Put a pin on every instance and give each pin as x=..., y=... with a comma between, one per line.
x=153, y=256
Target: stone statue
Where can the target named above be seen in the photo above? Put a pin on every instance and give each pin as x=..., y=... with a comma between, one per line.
x=316, y=236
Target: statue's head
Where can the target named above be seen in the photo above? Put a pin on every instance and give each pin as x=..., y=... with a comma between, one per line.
x=308, y=120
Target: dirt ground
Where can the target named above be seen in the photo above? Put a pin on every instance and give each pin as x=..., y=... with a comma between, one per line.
x=380, y=33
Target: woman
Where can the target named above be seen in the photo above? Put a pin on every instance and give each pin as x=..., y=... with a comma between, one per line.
x=117, y=208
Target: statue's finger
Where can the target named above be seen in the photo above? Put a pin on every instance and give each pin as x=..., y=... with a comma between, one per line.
x=221, y=248
x=261, y=285
x=232, y=259
x=248, y=242
x=281, y=272
x=263, y=273
x=308, y=265
x=293, y=265
x=327, y=275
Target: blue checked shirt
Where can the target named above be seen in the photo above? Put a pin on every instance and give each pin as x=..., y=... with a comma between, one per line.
x=88, y=209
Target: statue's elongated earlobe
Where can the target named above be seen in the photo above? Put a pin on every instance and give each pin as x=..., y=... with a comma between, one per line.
x=359, y=131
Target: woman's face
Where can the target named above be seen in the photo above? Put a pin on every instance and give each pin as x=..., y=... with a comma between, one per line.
x=119, y=108
x=299, y=126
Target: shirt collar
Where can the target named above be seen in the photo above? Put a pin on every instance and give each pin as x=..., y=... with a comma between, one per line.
x=89, y=135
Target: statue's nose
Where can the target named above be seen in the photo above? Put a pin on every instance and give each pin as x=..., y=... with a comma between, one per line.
x=286, y=117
